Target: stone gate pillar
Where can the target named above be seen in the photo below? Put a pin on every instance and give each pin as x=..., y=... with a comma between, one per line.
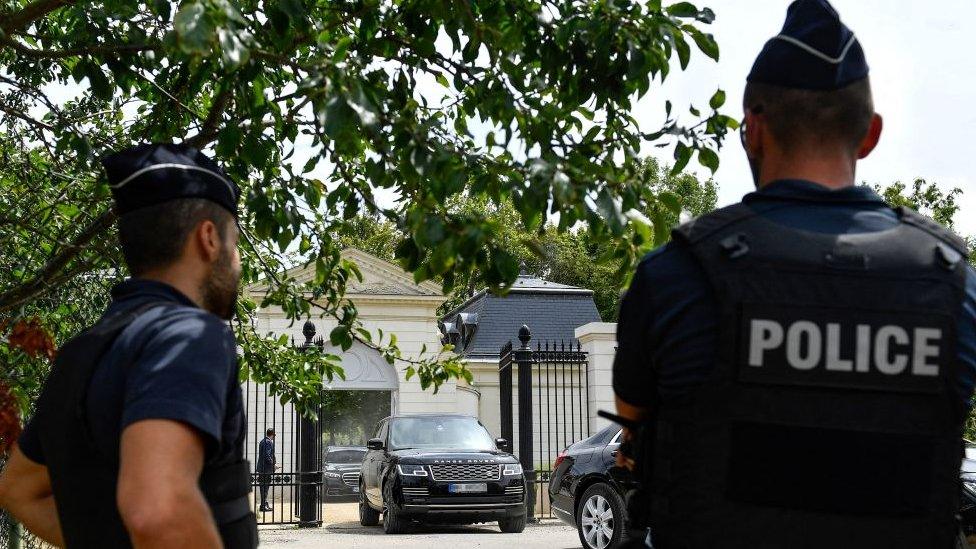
x=599, y=341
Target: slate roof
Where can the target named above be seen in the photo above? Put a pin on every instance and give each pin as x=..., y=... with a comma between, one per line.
x=552, y=312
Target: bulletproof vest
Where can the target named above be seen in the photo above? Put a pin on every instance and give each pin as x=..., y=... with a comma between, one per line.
x=84, y=477
x=830, y=418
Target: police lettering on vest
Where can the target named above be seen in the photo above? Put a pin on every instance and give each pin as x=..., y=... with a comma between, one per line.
x=823, y=347
x=889, y=349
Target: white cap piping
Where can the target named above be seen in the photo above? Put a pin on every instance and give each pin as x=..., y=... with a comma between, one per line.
x=166, y=166
x=817, y=53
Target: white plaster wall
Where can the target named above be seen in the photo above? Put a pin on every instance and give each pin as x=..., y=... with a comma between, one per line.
x=599, y=340
x=414, y=322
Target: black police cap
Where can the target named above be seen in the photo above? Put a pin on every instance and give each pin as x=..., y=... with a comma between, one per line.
x=814, y=51
x=147, y=175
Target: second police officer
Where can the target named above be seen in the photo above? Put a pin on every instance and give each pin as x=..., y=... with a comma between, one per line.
x=802, y=360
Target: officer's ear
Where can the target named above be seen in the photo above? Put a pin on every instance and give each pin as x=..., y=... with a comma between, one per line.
x=752, y=135
x=208, y=238
x=871, y=138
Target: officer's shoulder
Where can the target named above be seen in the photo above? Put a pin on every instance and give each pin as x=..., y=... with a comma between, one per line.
x=666, y=262
x=175, y=320
x=932, y=227
x=705, y=225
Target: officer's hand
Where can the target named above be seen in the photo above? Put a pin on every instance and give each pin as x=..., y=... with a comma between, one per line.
x=623, y=460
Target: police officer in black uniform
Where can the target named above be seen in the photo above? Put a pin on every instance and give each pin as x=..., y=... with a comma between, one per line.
x=802, y=361
x=138, y=434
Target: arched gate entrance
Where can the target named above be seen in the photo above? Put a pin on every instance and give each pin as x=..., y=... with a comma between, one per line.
x=295, y=489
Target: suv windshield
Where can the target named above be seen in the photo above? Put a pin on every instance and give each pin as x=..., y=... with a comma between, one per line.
x=344, y=456
x=439, y=432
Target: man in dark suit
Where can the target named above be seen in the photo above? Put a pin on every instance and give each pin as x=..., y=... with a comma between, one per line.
x=266, y=466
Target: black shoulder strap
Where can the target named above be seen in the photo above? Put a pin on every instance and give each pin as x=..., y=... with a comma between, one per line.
x=915, y=219
x=702, y=227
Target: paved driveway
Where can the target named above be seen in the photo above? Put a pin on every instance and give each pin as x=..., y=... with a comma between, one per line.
x=342, y=529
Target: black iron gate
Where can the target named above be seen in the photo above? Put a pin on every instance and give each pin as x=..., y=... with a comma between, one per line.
x=294, y=488
x=553, y=408
x=293, y=491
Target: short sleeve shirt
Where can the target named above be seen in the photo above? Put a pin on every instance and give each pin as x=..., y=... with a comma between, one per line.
x=667, y=335
x=175, y=361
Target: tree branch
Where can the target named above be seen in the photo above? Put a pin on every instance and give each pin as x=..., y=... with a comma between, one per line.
x=18, y=20
x=25, y=118
x=52, y=271
x=211, y=125
x=72, y=52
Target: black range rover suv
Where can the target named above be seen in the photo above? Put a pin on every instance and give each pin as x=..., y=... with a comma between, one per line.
x=443, y=469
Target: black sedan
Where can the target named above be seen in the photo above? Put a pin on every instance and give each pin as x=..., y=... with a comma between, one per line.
x=586, y=489
x=341, y=470
x=439, y=469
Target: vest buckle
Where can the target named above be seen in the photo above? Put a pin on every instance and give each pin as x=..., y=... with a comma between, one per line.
x=948, y=258
x=735, y=246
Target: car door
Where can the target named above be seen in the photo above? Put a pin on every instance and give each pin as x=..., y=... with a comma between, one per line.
x=622, y=476
x=371, y=465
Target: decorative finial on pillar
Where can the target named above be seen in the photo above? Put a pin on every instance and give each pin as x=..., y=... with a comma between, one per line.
x=524, y=336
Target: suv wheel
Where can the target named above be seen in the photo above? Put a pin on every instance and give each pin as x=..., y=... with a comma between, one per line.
x=600, y=518
x=367, y=515
x=512, y=525
x=393, y=521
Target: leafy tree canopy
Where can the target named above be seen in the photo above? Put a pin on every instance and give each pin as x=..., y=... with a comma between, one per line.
x=571, y=257
x=321, y=108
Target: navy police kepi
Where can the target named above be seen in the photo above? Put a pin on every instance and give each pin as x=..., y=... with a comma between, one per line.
x=814, y=51
x=151, y=174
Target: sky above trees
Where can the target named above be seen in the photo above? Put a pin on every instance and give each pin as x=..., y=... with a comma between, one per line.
x=923, y=75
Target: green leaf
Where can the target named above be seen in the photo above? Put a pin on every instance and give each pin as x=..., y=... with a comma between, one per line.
x=294, y=9
x=442, y=80
x=341, y=49
x=232, y=49
x=193, y=29
x=100, y=85
x=684, y=51
x=163, y=8
x=708, y=158
x=671, y=201
x=682, y=154
x=706, y=43
x=717, y=100
x=682, y=9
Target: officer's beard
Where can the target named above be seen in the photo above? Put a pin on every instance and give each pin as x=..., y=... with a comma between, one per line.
x=220, y=288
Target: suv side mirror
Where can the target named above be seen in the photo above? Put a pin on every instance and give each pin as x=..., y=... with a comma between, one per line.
x=501, y=443
x=375, y=444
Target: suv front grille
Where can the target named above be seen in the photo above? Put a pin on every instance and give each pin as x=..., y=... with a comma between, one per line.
x=351, y=479
x=466, y=471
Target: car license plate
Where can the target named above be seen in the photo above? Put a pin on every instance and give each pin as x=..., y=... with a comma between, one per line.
x=468, y=488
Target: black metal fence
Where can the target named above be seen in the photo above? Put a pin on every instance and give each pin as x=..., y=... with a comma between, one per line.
x=294, y=488
x=292, y=493
x=553, y=408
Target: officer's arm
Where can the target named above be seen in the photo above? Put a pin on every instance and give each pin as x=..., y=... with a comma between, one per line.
x=158, y=493
x=634, y=413
x=25, y=491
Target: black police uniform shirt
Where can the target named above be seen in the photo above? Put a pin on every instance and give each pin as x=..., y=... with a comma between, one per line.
x=668, y=334
x=175, y=362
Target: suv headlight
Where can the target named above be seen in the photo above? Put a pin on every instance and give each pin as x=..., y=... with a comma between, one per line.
x=331, y=474
x=412, y=470
x=512, y=469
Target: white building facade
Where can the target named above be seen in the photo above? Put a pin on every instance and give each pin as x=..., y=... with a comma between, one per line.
x=389, y=300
